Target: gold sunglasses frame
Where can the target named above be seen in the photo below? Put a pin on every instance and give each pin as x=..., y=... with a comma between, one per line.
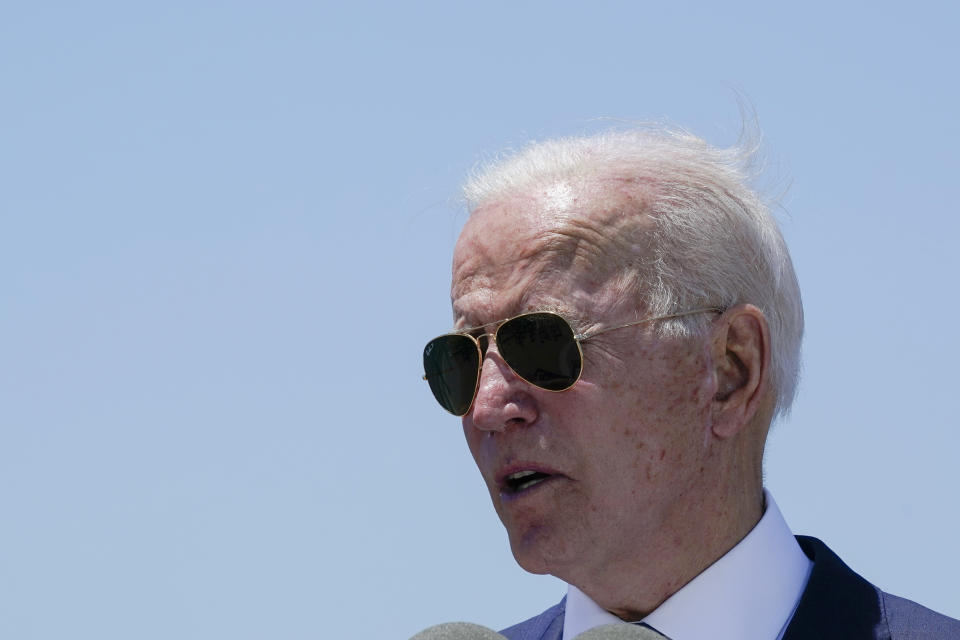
x=577, y=338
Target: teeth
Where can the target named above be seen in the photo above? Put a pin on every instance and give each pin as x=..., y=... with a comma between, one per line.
x=521, y=480
x=524, y=485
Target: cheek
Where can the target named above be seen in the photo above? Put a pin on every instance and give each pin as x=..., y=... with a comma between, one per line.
x=669, y=388
x=654, y=429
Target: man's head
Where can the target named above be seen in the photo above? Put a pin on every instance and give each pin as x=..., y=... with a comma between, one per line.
x=651, y=462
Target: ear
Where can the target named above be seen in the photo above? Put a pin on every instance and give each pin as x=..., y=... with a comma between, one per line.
x=741, y=361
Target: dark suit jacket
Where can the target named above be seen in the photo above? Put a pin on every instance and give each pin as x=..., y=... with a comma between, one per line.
x=836, y=605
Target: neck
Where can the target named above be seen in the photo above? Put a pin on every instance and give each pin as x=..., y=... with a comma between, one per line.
x=698, y=535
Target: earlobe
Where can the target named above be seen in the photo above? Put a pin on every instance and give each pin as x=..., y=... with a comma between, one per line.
x=741, y=349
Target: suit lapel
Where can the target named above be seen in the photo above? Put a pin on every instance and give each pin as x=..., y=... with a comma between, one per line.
x=546, y=626
x=837, y=604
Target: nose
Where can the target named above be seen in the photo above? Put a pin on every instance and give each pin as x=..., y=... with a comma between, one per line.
x=503, y=398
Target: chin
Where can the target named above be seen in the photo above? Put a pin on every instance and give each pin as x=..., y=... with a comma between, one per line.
x=530, y=563
x=536, y=551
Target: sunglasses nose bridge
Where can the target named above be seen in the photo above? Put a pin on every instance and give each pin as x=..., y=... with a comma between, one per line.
x=491, y=359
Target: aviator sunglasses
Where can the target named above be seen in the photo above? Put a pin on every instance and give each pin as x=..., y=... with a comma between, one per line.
x=540, y=347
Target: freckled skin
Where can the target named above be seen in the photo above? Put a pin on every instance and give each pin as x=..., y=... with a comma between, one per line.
x=639, y=470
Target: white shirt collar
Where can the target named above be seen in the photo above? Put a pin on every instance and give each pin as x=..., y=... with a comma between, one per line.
x=748, y=594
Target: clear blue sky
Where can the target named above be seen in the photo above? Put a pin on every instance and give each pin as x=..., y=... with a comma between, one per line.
x=225, y=234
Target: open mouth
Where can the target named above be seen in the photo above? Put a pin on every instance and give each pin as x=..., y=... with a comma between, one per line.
x=522, y=480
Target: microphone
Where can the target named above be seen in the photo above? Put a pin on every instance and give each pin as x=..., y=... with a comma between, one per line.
x=458, y=631
x=620, y=632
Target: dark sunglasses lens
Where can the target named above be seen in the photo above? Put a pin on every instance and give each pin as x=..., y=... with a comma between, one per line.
x=541, y=349
x=451, y=364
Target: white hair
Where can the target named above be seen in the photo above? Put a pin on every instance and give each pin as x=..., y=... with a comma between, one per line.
x=716, y=243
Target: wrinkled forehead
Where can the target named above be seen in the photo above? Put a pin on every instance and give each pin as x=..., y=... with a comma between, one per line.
x=562, y=243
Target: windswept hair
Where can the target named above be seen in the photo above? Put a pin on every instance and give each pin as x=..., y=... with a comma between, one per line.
x=715, y=242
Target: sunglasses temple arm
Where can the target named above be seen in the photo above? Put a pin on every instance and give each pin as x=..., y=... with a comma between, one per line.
x=682, y=314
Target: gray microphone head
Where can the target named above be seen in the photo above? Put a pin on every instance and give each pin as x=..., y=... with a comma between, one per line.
x=620, y=631
x=458, y=631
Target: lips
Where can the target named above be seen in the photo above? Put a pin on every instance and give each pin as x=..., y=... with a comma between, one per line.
x=521, y=478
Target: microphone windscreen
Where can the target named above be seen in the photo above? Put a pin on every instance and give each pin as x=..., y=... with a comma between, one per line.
x=619, y=631
x=458, y=631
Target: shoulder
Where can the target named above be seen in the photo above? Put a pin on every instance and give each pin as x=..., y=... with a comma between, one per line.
x=838, y=604
x=545, y=626
x=909, y=620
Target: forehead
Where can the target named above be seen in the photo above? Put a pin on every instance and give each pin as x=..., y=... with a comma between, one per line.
x=555, y=248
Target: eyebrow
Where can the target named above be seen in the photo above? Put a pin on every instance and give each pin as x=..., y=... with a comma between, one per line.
x=573, y=319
